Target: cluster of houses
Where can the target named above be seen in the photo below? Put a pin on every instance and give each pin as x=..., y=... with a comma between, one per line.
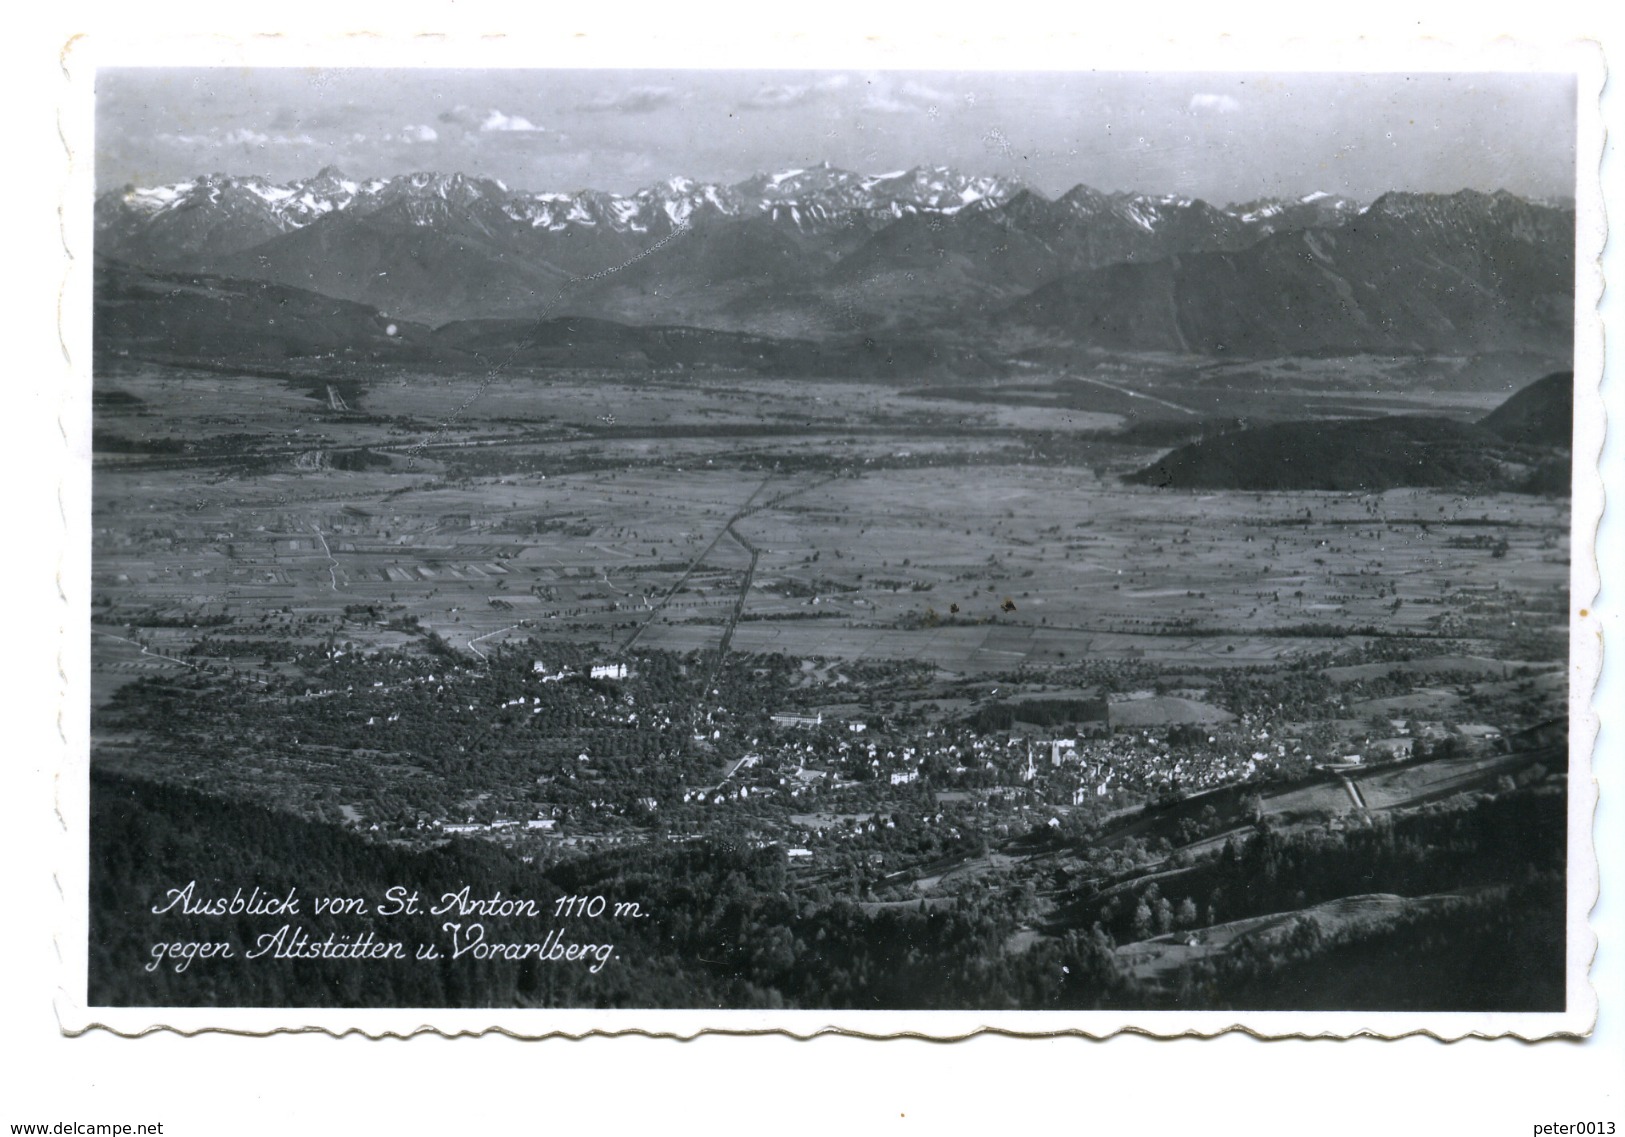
x=616, y=671
x=545, y=825
x=1070, y=769
x=1470, y=737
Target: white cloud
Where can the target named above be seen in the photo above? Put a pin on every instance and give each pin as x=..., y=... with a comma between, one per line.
x=638, y=100
x=419, y=132
x=921, y=93
x=767, y=98
x=794, y=94
x=240, y=136
x=885, y=104
x=1213, y=104
x=508, y=124
x=492, y=121
x=908, y=97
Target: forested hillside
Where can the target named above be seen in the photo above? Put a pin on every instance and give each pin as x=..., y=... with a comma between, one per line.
x=723, y=925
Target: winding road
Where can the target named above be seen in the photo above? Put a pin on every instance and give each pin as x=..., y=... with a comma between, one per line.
x=487, y=636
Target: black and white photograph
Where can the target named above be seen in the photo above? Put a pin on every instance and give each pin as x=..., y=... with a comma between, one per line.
x=834, y=540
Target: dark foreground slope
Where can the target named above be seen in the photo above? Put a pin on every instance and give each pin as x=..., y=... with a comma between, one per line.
x=721, y=928
x=725, y=925
x=1520, y=446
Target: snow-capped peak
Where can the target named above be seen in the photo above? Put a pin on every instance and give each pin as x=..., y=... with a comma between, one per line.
x=807, y=197
x=154, y=198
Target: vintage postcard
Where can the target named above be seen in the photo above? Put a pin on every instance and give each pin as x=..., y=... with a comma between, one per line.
x=896, y=549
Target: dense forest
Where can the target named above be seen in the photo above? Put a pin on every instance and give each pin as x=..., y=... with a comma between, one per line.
x=726, y=925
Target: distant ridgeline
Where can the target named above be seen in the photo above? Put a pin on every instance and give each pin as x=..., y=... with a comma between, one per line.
x=889, y=274
x=191, y=317
x=1522, y=446
x=726, y=927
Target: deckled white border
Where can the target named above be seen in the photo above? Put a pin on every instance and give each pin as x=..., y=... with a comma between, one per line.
x=1061, y=52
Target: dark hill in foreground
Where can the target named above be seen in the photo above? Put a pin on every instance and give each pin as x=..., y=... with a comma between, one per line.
x=730, y=928
x=1366, y=454
x=1520, y=446
x=1542, y=414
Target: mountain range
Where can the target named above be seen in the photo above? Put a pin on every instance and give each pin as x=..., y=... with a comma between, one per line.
x=823, y=253
x=1412, y=273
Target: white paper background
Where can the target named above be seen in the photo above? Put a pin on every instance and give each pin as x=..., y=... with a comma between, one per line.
x=219, y=1084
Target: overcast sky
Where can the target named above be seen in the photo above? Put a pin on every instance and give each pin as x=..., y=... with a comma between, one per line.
x=1220, y=136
